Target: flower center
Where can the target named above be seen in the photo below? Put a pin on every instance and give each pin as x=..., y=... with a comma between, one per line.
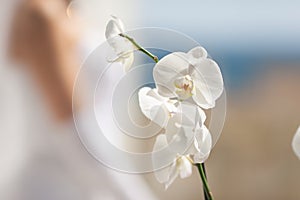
x=184, y=86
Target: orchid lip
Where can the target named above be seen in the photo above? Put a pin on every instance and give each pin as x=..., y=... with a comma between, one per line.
x=184, y=86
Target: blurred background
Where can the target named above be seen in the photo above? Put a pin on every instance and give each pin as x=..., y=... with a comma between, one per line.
x=43, y=43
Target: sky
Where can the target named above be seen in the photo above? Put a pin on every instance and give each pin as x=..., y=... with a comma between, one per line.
x=242, y=36
x=267, y=25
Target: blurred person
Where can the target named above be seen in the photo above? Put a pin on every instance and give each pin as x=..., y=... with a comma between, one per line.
x=49, y=160
x=44, y=40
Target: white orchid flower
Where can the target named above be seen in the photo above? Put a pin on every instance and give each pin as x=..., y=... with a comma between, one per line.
x=188, y=138
x=181, y=166
x=189, y=76
x=296, y=143
x=181, y=122
x=155, y=107
x=122, y=46
x=189, y=132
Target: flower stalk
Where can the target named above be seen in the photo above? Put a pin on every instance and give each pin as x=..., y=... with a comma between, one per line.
x=140, y=48
x=207, y=193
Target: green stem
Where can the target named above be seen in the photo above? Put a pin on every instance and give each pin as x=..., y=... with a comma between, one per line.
x=206, y=197
x=140, y=48
x=207, y=192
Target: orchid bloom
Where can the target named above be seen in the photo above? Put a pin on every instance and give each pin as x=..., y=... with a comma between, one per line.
x=178, y=120
x=202, y=140
x=296, y=143
x=181, y=166
x=122, y=46
x=189, y=76
x=184, y=131
x=176, y=138
x=187, y=128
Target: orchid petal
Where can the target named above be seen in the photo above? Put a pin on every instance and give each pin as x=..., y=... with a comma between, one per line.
x=162, y=175
x=185, y=168
x=167, y=70
x=296, y=143
x=181, y=166
x=200, y=116
x=196, y=54
x=173, y=174
x=180, y=127
x=128, y=61
x=114, y=27
x=203, y=145
x=155, y=107
x=179, y=141
x=208, y=81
